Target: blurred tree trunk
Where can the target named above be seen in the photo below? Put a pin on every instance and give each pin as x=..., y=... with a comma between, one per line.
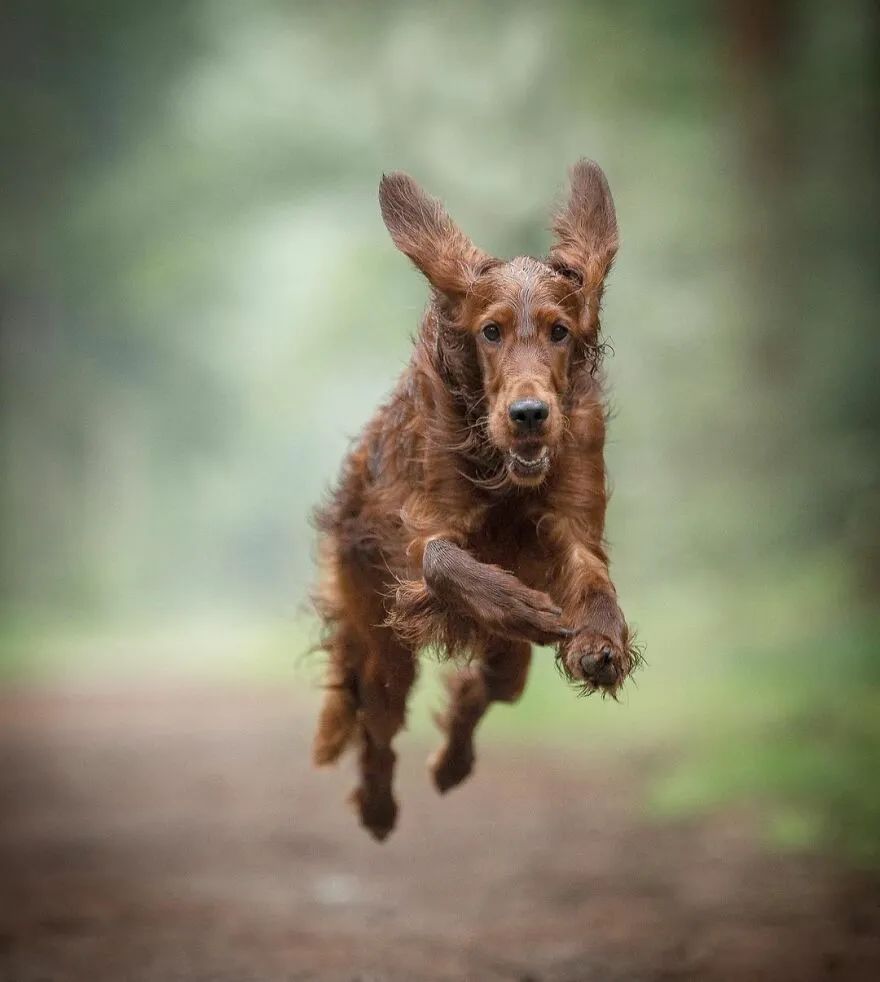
x=759, y=41
x=805, y=87
x=77, y=81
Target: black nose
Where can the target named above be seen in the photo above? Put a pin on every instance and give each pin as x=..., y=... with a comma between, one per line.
x=528, y=414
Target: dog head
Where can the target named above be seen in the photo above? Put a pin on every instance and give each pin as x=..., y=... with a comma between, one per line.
x=530, y=326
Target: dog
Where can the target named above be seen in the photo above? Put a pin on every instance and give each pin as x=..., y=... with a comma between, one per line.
x=469, y=515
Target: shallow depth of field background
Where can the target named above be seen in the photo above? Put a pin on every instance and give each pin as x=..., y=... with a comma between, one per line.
x=200, y=307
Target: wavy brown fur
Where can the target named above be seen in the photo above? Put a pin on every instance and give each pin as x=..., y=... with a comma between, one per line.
x=459, y=525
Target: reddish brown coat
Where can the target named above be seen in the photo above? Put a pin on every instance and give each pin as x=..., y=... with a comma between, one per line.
x=461, y=520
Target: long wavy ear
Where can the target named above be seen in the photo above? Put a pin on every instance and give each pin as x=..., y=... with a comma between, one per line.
x=422, y=230
x=586, y=228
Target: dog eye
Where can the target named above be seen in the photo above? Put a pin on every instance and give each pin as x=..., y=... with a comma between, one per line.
x=492, y=332
x=559, y=332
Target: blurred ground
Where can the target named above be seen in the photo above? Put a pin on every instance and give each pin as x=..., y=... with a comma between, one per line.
x=157, y=833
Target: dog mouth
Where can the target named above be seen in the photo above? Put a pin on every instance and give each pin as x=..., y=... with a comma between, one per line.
x=528, y=464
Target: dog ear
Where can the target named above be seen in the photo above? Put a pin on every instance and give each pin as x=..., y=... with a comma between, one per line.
x=422, y=230
x=586, y=228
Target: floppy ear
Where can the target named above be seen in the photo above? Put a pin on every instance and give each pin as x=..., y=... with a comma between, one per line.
x=586, y=228
x=422, y=230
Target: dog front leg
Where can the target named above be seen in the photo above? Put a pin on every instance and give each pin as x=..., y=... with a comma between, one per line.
x=460, y=597
x=601, y=654
x=490, y=596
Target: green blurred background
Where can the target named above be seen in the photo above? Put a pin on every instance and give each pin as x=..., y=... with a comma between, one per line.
x=200, y=307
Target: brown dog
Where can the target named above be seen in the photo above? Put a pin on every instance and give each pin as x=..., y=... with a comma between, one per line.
x=469, y=515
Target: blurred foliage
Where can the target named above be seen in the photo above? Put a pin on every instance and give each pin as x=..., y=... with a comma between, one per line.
x=199, y=306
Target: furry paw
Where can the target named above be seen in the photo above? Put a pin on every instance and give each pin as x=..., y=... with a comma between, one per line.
x=597, y=662
x=377, y=811
x=450, y=766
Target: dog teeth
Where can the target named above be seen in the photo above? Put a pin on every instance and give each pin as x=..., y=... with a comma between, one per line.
x=531, y=464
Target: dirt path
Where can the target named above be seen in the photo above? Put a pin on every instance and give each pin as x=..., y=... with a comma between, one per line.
x=167, y=835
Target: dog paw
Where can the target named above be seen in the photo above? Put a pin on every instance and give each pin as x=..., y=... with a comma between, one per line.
x=597, y=662
x=516, y=611
x=377, y=811
x=450, y=766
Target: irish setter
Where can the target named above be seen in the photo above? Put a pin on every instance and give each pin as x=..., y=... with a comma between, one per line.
x=469, y=514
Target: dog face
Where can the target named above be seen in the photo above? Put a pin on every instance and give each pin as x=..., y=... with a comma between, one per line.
x=531, y=323
x=526, y=320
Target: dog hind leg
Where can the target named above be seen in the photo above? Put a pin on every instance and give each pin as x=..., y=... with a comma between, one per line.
x=499, y=676
x=384, y=682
